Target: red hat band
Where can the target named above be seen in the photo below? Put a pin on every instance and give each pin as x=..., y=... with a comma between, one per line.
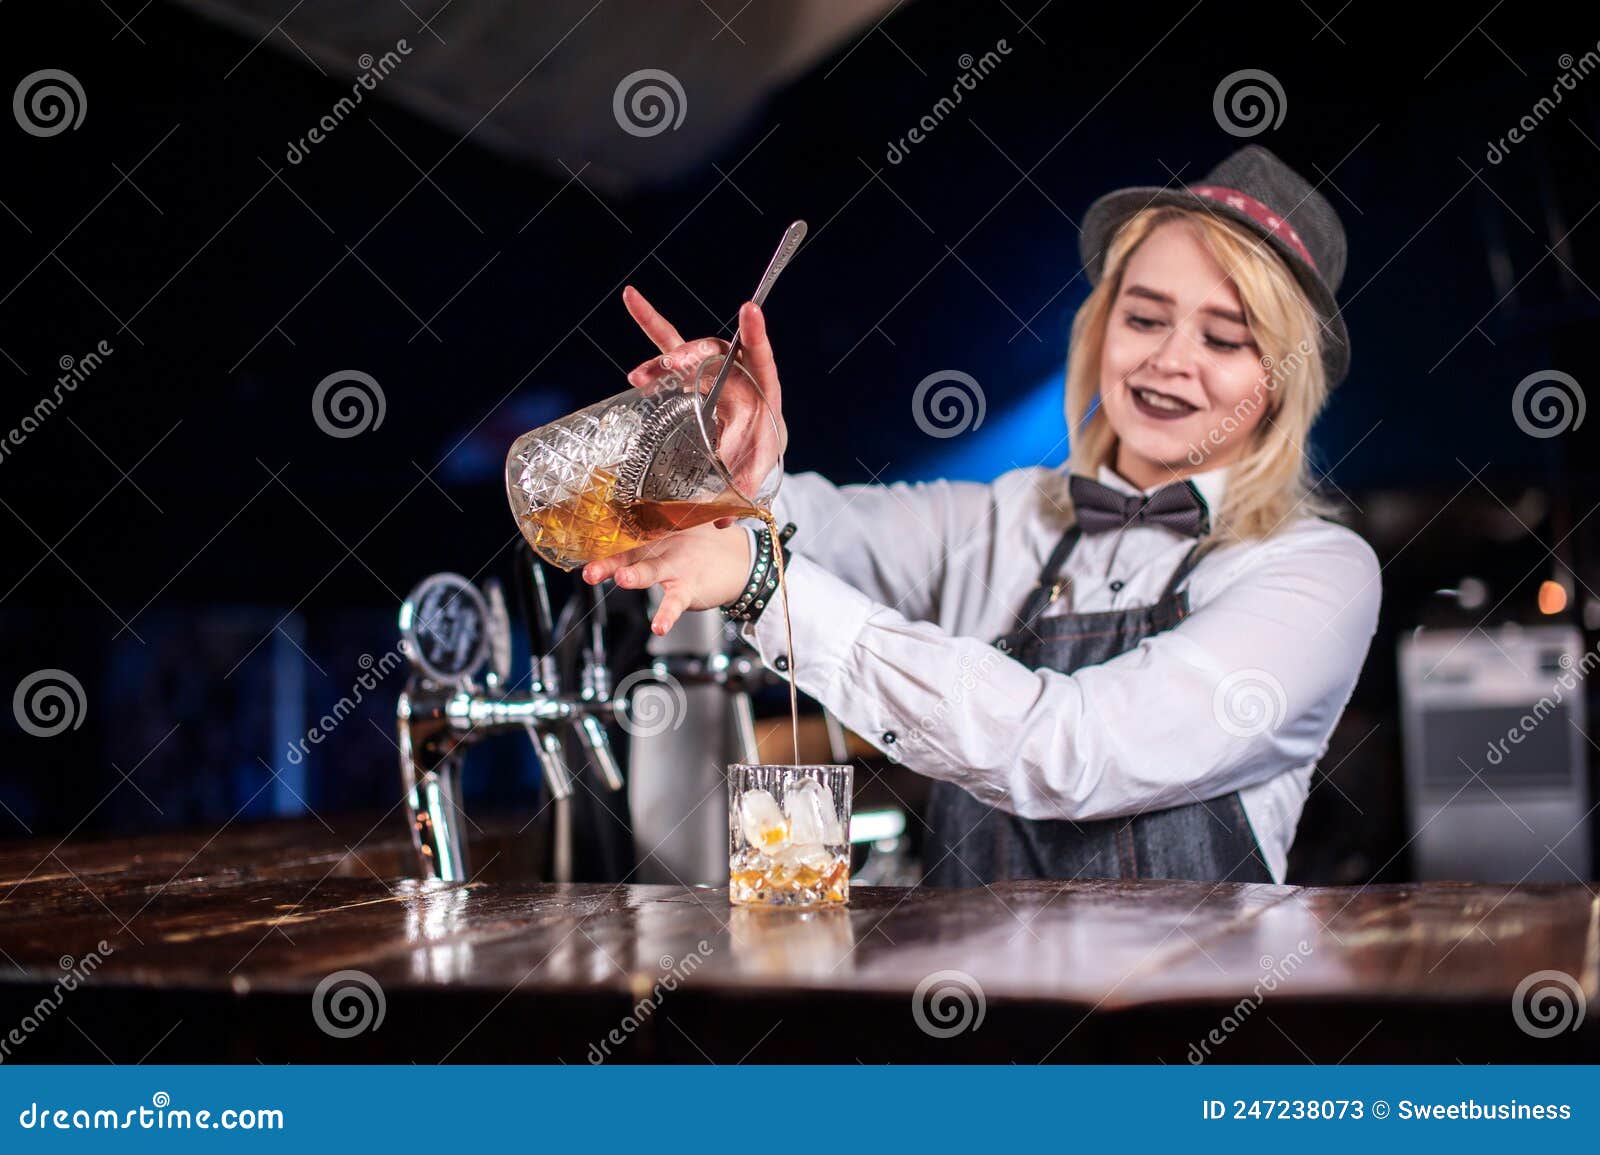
x=1257, y=212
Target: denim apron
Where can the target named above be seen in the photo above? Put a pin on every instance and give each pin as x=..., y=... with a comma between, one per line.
x=971, y=843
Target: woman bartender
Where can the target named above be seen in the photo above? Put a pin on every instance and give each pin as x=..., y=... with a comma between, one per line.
x=1124, y=669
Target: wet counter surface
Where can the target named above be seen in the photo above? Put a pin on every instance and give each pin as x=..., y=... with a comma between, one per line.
x=215, y=949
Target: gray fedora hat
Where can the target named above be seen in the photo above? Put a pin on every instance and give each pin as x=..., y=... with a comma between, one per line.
x=1255, y=189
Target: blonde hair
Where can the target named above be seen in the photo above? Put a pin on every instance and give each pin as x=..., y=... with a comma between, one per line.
x=1272, y=478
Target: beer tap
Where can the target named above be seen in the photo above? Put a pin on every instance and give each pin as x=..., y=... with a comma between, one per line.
x=450, y=630
x=499, y=631
x=545, y=679
x=595, y=686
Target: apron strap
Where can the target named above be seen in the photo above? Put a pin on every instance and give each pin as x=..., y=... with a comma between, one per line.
x=1045, y=592
x=1185, y=568
x=1049, y=578
x=1058, y=556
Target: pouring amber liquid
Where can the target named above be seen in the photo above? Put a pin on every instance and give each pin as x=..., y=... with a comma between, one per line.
x=596, y=524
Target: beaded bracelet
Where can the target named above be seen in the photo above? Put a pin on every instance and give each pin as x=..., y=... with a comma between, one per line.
x=762, y=583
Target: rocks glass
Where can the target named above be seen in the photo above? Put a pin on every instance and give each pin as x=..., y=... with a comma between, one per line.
x=789, y=835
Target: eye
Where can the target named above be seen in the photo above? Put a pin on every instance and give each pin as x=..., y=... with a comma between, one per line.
x=1225, y=346
x=1143, y=324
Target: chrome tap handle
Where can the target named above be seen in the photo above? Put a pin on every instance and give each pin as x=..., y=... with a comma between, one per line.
x=597, y=744
x=539, y=621
x=498, y=627
x=444, y=627
x=744, y=721
x=552, y=760
x=596, y=677
x=543, y=619
x=433, y=804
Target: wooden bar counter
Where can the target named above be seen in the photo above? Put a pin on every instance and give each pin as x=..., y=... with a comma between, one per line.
x=214, y=949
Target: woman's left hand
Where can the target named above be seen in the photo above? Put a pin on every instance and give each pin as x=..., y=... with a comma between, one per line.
x=697, y=569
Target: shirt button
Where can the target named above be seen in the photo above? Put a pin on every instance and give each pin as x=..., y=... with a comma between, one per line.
x=781, y=663
x=1116, y=586
x=889, y=738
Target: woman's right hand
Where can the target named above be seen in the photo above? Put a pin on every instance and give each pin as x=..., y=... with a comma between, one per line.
x=680, y=356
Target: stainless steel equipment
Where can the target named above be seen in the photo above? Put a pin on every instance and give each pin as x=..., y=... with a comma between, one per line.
x=458, y=640
x=449, y=630
x=677, y=775
x=1496, y=757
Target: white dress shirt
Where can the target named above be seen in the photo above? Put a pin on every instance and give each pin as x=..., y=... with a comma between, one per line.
x=898, y=591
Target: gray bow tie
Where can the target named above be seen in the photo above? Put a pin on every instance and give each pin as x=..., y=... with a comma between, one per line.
x=1178, y=507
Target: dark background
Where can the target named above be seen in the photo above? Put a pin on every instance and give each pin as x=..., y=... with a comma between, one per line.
x=211, y=567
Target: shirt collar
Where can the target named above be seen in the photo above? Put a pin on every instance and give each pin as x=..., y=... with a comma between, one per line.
x=1211, y=483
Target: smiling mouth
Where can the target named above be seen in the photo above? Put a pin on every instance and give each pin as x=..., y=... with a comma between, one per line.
x=1161, y=405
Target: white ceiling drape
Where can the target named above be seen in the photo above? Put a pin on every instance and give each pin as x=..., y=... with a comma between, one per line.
x=540, y=81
